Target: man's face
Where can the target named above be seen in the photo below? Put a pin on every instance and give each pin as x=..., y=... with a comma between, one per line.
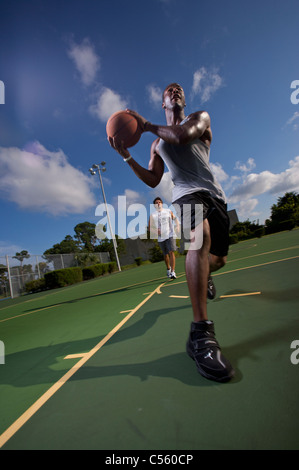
x=158, y=204
x=173, y=96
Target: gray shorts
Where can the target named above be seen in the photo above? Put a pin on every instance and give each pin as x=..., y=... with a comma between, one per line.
x=167, y=245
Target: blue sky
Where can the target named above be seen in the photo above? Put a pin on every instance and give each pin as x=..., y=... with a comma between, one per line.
x=68, y=65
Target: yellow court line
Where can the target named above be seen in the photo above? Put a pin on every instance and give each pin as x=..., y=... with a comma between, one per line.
x=255, y=266
x=239, y=295
x=75, y=356
x=52, y=390
x=29, y=313
x=235, y=270
x=73, y=287
x=261, y=254
x=62, y=303
x=126, y=311
x=180, y=296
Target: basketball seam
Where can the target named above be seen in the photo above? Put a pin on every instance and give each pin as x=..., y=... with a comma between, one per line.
x=124, y=125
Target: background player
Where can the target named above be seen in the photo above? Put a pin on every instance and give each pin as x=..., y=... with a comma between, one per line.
x=160, y=226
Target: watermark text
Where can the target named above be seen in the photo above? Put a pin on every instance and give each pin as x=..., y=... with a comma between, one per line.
x=132, y=222
x=2, y=92
x=295, y=93
x=2, y=353
x=295, y=354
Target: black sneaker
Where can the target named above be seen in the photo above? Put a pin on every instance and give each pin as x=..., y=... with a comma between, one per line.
x=211, y=288
x=204, y=349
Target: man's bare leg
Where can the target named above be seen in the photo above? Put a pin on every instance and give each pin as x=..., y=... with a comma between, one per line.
x=202, y=345
x=197, y=270
x=172, y=264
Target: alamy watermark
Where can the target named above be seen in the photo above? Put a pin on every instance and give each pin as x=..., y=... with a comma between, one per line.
x=132, y=222
x=295, y=354
x=2, y=92
x=295, y=94
x=2, y=353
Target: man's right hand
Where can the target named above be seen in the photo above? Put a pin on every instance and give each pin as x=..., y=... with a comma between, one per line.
x=119, y=147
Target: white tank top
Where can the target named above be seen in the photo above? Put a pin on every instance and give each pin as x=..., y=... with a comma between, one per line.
x=189, y=169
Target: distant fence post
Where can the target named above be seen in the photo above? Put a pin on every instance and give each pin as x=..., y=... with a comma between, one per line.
x=9, y=277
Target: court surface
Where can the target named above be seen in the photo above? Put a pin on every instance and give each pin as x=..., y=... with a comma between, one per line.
x=102, y=364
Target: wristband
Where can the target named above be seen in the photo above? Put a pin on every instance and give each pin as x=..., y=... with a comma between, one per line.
x=127, y=159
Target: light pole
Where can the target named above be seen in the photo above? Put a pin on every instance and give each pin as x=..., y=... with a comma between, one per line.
x=100, y=169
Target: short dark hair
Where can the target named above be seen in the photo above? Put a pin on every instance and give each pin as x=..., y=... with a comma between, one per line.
x=170, y=84
x=157, y=199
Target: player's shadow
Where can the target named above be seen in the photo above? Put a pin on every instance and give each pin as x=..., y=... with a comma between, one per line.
x=176, y=366
x=87, y=297
x=37, y=365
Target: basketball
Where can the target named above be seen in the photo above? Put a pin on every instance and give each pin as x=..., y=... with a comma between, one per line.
x=123, y=127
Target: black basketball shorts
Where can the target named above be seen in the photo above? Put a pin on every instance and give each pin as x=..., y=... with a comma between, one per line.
x=212, y=209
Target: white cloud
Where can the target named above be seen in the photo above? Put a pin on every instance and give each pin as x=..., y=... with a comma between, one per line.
x=292, y=119
x=219, y=172
x=268, y=182
x=86, y=60
x=40, y=180
x=155, y=95
x=206, y=83
x=88, y=63
x=246, y=208
x=128, y=198
x=107, y=103
x=245, y=168
x=7, y=248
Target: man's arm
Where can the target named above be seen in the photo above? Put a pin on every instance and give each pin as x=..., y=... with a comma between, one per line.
x=151, y=176
x=176, y=220
x=196, y=126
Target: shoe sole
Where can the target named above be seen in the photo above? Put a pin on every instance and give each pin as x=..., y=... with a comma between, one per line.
x=208, y=376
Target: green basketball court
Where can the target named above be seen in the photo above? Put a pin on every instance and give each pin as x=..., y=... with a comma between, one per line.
x=102, y=364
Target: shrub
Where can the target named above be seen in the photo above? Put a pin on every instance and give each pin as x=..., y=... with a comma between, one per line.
x=97, y=270
x=260, y=232
x=233, y=238
x=156, y=254
x=63, y=277
x=35, y=286
x=92, y=271
x=111, y=266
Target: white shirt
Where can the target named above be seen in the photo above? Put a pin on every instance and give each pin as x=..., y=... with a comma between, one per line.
x=163, y=221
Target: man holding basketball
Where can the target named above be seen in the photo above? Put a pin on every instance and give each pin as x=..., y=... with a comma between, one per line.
x=184, y=145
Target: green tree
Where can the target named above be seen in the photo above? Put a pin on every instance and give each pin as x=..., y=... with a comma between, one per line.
x=85, y=241
x=3, y=279
x=86, y=236
x=246, y=230
x=20, y=257
x=107, y=245
x=68, y=245
x=285, y=213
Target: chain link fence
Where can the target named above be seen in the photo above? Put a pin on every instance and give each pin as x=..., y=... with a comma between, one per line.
x=15, y=274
